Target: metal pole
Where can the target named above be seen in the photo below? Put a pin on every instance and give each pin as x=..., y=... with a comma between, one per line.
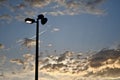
x=37, y=50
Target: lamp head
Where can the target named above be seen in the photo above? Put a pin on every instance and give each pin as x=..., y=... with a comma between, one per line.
x=41, y=16
x=29, y=20
x=44, y=21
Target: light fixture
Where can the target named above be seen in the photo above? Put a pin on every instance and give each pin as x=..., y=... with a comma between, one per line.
x=29, y=20
x=43, y=21
x=41, y=16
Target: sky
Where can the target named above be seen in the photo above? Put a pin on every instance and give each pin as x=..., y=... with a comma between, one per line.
x=75, y=25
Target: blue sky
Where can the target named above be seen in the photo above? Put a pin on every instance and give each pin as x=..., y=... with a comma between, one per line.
x=79, y=25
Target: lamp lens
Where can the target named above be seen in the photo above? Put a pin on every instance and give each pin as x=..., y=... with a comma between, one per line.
x=44, y=21
x=29, y=20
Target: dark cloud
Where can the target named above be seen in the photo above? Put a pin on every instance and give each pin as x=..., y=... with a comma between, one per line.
x=2, y=1
x=104, y=60
x=17, y=61
x=2, y=46
x=28, y=42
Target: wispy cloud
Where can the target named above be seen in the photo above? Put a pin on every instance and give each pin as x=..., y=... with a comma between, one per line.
x=14, y=8
x=6, y=17
x=19, y=17
x=30, y=13
x=29, y=42
x=55, y=29
x=39, y=34
x=50, y=45
x=38, y=3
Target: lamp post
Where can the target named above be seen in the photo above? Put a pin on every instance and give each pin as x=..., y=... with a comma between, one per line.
x=43, y=21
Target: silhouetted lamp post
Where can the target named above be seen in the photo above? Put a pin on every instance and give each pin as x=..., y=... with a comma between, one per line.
x=43, y=21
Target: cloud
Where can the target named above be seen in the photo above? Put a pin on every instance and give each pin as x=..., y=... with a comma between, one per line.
x=28, y=42
x=76, y=7
x=68, y=64
x=14, y=8
x=2, y=46
x=20, y=6
x=115, y=46
x=92, y=7
x=2, y=59
x=55, y=13
x=49, y=45
x=26, y=8
x=105, y=59
x=27, y=62
x=6, y=17
x=38, y=3
x=55, y=29
x=28, y=57
x=17, y=61
x=30, y=13
x=1, y=2
x=83, y=6
x=20, y=17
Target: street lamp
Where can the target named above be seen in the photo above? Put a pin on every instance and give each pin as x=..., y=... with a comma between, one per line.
x=31, y=21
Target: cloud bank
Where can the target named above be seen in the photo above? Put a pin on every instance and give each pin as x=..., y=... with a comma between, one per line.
x=102, y=65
